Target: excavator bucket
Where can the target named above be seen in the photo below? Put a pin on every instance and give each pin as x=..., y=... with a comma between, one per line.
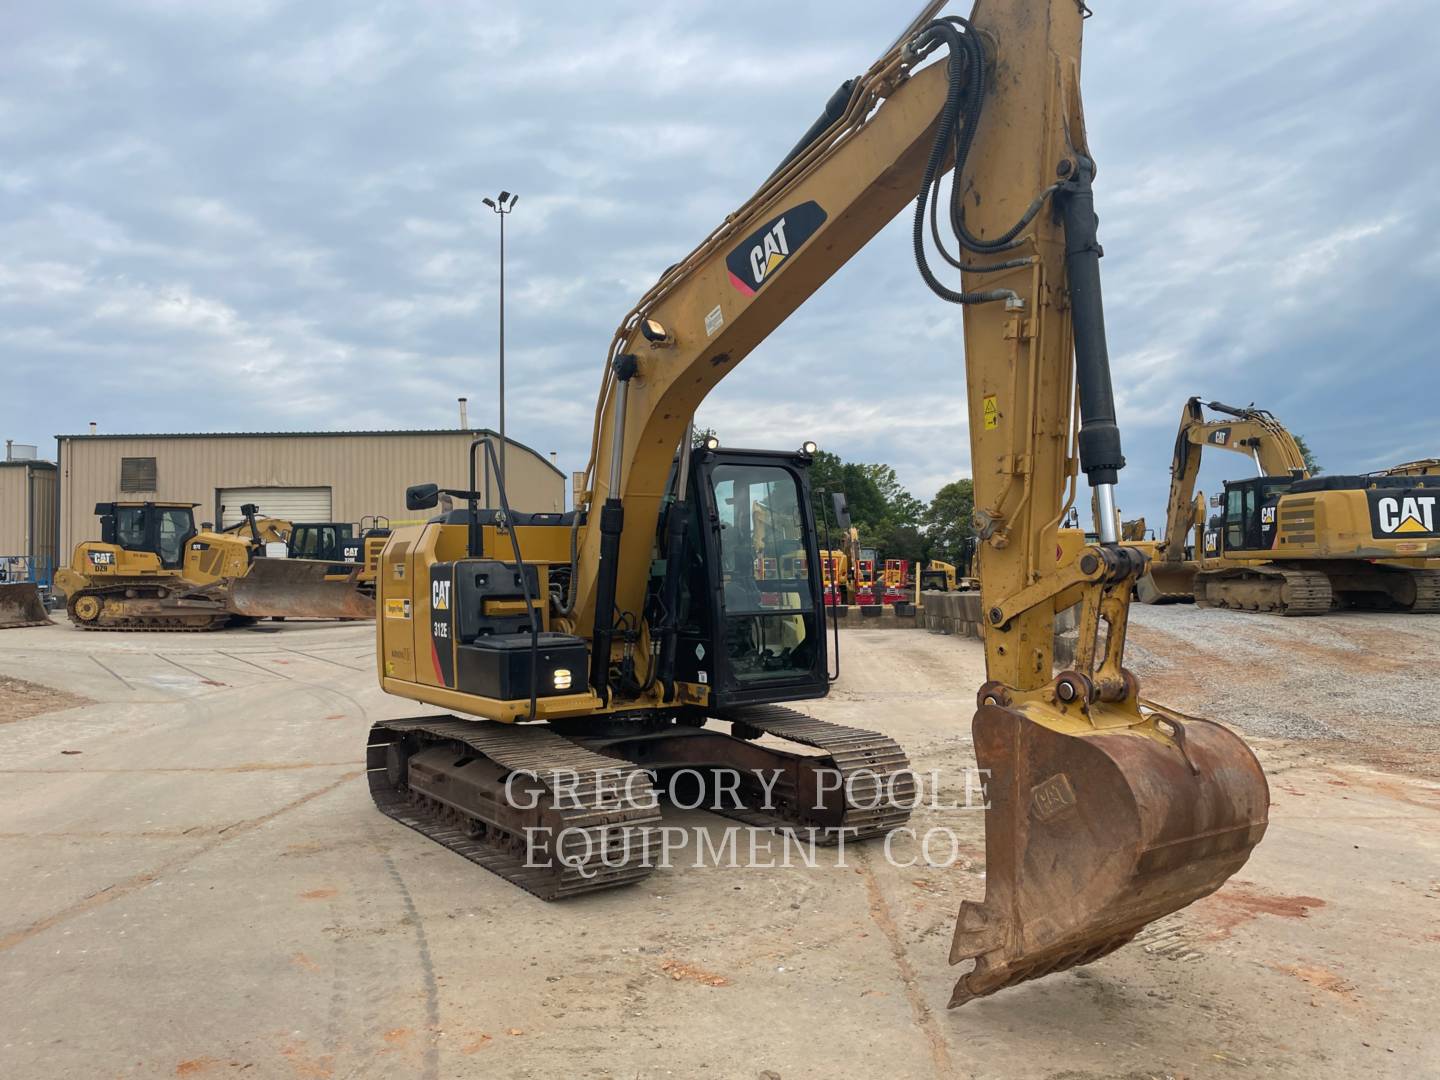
x=300, y=589
x=1167, y=583
x=1090, y=836
x=20, y=605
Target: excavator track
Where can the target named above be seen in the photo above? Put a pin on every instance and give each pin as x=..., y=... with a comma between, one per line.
x=78, y=605
x=1427, y=592
x=446, y=778
x=873, y=793
x=879, y=785
x=1270, y=589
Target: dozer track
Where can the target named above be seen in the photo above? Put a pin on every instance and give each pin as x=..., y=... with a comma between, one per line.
x=868, y=791
x=1268, y=589
x=447, y=778
x=113, y=608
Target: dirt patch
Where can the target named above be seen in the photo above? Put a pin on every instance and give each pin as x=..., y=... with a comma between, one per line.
x=1241, y=902
x=1321, y=979
x=20, y=700
x=686, y=972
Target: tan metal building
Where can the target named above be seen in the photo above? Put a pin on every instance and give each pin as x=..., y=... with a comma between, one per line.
x=27, y=515
x=299, y=476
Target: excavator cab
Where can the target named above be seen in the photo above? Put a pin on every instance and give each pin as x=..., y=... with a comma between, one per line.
x=1249, y=518
x=752, y=596
x=162, y=529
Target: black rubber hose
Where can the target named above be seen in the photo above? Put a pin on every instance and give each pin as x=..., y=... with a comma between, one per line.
x=960, y=58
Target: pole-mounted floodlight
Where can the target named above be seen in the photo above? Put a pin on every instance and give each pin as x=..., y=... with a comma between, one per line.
x=502, y=205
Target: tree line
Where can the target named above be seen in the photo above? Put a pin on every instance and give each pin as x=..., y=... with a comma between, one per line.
x=888, y=517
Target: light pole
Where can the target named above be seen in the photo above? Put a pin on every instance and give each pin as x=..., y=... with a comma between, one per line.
x=502, y=205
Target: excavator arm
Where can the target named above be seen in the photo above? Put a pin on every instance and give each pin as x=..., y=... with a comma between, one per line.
x=1105, y=812
x=1249, y=431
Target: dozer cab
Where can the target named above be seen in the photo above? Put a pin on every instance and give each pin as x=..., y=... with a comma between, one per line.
x=677, y=615
x=152, y=569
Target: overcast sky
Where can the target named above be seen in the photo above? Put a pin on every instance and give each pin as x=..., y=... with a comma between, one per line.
x=258, y=215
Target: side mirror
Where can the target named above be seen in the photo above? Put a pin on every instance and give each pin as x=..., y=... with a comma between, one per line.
x=422, y=496
x=842, y=510
x=1217, y=501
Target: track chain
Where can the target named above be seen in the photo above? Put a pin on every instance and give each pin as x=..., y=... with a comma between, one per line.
x=140, y=623
x=1427, y=591
x=879, y=784
x=609, y=828
x=1287, y=592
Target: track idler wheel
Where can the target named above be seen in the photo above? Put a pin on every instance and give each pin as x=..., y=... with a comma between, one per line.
x=86, y=609
x=1096, y=827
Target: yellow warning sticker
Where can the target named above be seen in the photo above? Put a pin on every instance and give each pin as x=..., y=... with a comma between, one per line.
x=992, y=412
x=397, y=609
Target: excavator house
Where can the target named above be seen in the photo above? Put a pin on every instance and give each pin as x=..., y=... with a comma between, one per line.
x=675, y=618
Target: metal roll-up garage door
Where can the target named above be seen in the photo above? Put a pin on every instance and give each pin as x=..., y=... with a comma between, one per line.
x=292, y=504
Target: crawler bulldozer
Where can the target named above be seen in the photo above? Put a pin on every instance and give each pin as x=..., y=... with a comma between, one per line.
x=152, y=569
x=678, y=613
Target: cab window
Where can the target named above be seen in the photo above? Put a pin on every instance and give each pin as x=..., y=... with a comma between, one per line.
x=176, y=525
x=130, y=527
x=765, y=571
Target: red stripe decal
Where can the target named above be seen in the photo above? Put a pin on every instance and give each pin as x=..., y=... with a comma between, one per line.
x=740, y=285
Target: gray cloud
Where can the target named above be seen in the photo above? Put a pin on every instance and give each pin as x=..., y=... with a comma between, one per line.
x=267, y=215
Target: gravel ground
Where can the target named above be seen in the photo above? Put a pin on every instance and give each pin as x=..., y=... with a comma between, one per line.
x=197, y=884
x=1362, y=679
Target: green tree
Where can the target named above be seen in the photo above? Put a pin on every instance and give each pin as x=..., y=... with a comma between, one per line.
x=829, y=474
x=1313, y=467
x=947, y=520
x=901, y=508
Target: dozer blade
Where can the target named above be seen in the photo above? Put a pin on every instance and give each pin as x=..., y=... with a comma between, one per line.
x=1090, y=836
x=20, y=605
x=300, y=589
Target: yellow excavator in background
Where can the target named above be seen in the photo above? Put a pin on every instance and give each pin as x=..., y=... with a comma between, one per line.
x=672, y=619
x=1249, y=431
x=1287, y=543
x=939, y=576
x=152, y=569
x=1423, y=467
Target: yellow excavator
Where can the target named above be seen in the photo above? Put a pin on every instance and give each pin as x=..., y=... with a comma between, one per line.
x=1247, y=430
x=679, y=613
x=1423, y=467
x=152, y=569
x=1288, y=543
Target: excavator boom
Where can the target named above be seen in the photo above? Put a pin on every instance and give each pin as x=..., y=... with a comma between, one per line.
x=1247, y=430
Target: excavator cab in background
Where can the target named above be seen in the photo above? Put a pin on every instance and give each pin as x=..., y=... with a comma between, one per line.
x=666, y=622
x=328, y=541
